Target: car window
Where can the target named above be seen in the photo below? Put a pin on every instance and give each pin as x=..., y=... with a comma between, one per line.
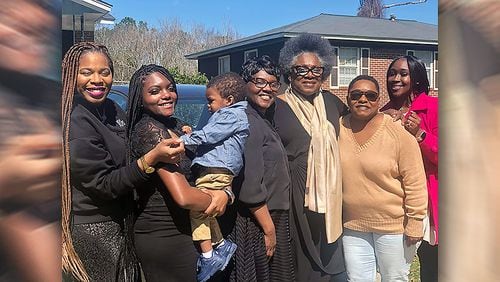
x=191, y=103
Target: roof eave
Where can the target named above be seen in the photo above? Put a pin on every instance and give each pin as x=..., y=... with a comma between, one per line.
x=243, y=42
x=197, y=55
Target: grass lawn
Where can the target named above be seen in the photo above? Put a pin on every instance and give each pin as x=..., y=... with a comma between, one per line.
x=415, y=270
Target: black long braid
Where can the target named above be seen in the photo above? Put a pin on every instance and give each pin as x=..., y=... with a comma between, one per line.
x=71, y=262
x=135, y=107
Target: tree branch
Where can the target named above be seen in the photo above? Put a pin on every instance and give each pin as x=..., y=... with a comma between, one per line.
x=403, y=3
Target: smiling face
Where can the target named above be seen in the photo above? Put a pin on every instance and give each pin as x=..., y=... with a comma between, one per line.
x=94, y=77
x=310, y=83
x=398, y=79
x=158, y=95
x=363, y=108
x=215, y=101
x=262, y=98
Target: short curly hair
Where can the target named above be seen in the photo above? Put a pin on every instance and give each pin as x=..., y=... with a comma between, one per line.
x=229, y=84
x=255, y=65
x=306, y=43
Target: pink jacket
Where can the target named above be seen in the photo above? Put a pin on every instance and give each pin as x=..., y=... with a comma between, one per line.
x=426, y=108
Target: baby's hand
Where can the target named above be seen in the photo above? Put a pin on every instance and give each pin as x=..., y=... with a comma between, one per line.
x=186, y=129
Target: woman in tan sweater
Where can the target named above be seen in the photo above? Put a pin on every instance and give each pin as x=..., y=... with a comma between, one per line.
x=384, y=192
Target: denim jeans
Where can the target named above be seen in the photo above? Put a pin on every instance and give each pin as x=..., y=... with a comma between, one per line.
x=366, y=251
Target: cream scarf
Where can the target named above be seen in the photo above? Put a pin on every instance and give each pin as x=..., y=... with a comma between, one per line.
x=324, y=176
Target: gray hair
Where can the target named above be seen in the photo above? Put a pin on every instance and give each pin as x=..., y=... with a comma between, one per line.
x=306, y=43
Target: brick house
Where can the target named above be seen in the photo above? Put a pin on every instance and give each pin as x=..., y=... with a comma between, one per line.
x=79, y=18
x=362, y=46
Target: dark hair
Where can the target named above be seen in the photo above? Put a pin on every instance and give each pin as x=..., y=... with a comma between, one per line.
x=363, y=77
x=229, y=84
x=304, y=43
x=135, y=106
x=418, y=75
x=71, y=62
x=255, y=65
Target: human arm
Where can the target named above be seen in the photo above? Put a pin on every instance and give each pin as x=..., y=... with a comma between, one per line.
x=146, y=135
x=430, y=145
x=219, y=127
x=412, y=173
x=261, y=214
x=253, y=189
x=166, y=151
x=413, y=124
x=253, y=192
x=183, y=194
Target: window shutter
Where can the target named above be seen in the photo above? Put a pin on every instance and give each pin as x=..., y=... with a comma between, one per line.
x=365, y=61
x=334, y=75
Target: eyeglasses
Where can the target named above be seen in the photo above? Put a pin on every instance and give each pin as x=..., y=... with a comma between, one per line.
x=304, y=70
x=370, y=95
x=262, y=83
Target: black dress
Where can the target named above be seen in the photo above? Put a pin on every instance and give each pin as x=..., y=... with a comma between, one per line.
x=314, y=259
x=264, y=179
x=162, y=230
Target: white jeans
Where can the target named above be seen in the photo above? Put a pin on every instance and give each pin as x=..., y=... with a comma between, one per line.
x=365, y=251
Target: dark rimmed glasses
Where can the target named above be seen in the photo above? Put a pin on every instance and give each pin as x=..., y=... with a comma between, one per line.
x=262, y=83
x=371, y=96
x=304, y=70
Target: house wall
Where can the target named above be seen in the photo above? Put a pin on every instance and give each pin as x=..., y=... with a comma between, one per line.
x=381, y=55
x=67, y=38
x=380, y=58
x=209, y=65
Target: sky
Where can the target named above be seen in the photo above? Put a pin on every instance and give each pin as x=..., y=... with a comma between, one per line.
x=254, y=16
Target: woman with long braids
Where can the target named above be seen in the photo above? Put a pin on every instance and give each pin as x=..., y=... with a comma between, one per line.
x=163, y=230
x=307, y=120
x=97, y=183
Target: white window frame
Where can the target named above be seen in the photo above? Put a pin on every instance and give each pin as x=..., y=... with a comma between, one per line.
x=338, y=66
x=248, y=52
x=361, y=61
x=335, y=69
x=436, y=69
x=221, y=63
x=431, y=67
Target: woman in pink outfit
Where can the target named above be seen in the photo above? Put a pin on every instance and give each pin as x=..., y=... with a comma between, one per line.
x=408, y=88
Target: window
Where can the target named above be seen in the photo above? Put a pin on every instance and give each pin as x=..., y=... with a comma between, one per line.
x=224, y=64
x=334, y=75
x=250, y=54
x=349, y=63
x=436, y=80
x=365, y=61
x=429, y=58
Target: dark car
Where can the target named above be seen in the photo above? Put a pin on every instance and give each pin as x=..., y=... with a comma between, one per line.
x=191, y=104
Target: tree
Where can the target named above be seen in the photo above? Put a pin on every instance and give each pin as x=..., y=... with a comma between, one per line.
x=132, y=44
x=375, y=8
x=371, y=9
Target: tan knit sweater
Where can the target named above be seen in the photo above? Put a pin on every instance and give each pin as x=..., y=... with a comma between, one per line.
x=383, y=181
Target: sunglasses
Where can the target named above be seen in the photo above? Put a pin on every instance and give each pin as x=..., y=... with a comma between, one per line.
x=304, y=70
x=371, y=96
x=262, y=83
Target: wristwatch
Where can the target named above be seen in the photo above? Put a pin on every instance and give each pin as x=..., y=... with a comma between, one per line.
x=421, y=136
x=147, y=169
x=229, y=194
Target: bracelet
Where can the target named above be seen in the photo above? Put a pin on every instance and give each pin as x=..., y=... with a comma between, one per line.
x=230, y=195
x=421, y=136
x=146, y=167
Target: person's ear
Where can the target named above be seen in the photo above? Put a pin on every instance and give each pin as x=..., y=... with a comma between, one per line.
x=230, y=99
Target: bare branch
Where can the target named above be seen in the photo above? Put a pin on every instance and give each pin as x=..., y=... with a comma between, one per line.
x=403, y=4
